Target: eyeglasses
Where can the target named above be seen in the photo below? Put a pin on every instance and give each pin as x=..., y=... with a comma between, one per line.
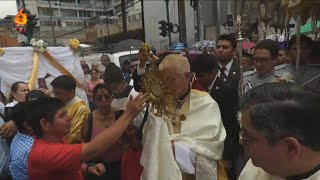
x=57, y=93
x=105, y=96
x=261, y=59
x=244, y=140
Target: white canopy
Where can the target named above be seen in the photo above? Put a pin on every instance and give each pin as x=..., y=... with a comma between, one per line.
x=17, y=63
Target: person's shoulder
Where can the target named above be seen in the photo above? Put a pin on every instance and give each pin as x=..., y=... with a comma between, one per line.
x=249, y=73
x=201, y=97
x=198, y=92
x=251, y=172
x=12, y=104
x=281, y=67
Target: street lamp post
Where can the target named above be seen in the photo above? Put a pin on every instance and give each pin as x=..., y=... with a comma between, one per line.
x=168, y=21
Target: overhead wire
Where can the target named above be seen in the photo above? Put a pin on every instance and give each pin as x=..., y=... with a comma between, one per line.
x=78, y=30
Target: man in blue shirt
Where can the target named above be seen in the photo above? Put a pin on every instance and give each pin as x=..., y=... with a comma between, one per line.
x=23, y=140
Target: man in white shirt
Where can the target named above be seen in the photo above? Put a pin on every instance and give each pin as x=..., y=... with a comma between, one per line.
x=280, y=132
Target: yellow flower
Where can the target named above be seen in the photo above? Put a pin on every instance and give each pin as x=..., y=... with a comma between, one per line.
x=145, y=47
x=74, y=43
x=2, y=52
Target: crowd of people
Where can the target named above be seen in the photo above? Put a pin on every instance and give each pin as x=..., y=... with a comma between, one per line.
x=220, y=127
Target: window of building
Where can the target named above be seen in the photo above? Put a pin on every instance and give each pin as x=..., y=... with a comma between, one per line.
x=84, y=2
x=68, y=1
x=44, y=11
x=68, y=13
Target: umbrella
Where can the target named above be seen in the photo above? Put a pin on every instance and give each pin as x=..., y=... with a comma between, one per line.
x=277, y=37
x=205, y=43
x=127, y=45
x=177, y=46
x=248, y=44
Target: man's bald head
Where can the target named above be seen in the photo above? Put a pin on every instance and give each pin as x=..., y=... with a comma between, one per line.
x=105, y=60
x=177, y=62
x=176, y=69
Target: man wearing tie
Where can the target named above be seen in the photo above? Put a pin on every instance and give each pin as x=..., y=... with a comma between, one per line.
x=205, y=67
x=229, y=68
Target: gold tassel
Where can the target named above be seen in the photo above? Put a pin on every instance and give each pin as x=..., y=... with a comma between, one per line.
x=34, y=73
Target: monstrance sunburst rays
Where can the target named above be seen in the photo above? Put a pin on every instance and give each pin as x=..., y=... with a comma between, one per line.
x=155, y=83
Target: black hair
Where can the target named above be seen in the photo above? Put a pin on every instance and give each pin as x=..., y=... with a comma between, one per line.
x=303, y=39
x=101, y=86
x=228, y=37
x=85, y=65
x=42, y=108
x=270, y=45
x=284, y=109
x=250, y=56
x=126, y=62
x=94, y=69
x=3, y=97
x=204, y=63
x=34, y=95
x=113, y=74
x=19, y=115
x=15, y=86
x=64, y=82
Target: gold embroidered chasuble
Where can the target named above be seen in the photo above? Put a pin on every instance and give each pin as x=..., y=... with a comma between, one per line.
x=78, y=111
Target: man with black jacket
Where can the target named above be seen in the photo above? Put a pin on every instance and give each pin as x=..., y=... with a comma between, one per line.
x=229, y=68
x=205, y=66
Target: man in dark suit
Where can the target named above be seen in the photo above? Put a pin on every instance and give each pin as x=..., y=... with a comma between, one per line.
x=229, y=68
x=205, y=66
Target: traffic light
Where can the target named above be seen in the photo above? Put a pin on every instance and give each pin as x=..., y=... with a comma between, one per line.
x=170, y=27
x=229, y=20
x=31, y=23
x=163, y=28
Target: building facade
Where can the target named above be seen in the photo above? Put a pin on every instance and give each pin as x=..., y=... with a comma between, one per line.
x=8, y=33
x=85, y=20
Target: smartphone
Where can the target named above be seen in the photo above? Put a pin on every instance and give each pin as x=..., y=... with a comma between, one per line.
x=42, y=83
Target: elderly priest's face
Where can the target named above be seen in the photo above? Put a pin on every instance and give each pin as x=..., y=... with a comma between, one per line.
x=176, y=70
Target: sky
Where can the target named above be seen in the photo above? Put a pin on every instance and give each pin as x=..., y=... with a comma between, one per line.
x=7, y=7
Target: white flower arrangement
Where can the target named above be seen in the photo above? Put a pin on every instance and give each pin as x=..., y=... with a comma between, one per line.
x=39, y=45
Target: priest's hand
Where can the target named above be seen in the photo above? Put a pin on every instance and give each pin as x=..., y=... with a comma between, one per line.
x=8, y=130
x=97, y=169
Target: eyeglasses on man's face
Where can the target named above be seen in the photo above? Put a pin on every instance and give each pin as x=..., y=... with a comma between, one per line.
x=261, y=59
x=245, y=140
x=57, y=93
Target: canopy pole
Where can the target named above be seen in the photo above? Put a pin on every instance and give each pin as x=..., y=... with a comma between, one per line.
x=298, y=48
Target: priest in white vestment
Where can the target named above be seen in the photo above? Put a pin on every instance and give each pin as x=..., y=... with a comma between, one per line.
x=280, y=132
x=189, y=144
